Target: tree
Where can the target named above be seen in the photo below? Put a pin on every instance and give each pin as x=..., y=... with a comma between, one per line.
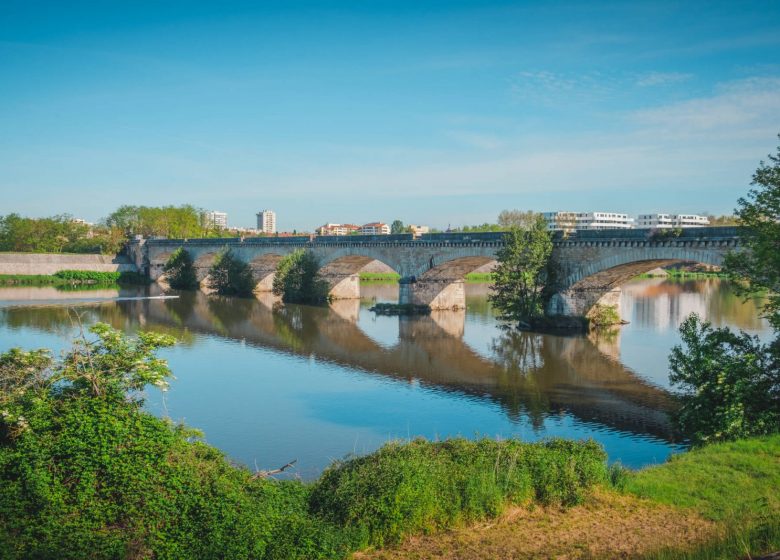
x=730, y=382
x=397, y=227
x=179, y=270
x=508, y=219
x=231, y=276
x=518, y=291
x=757, y=267
x=296, y=279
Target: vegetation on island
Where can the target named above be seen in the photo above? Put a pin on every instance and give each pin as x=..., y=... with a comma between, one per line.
x=179, y=270
x=520, y=278
x=230, y=276
x=297, y=279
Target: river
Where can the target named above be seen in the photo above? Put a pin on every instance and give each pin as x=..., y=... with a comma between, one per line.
x=268, y=383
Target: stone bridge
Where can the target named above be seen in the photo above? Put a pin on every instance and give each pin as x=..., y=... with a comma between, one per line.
x=588, y=267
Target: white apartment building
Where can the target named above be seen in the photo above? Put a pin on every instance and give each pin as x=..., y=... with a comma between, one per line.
x=216, y=219
x=417, y=231
x=586, y=221
x=337, y=229
x=375, y=228
x=660, y=221
x=561, y=221
x=266, y=221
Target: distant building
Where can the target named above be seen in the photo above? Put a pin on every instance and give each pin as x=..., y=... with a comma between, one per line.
x=660, y=221
x=587, y=221
x=337, y=229
x=417, y=231
x=266, y=221
x=216, y=219
x=375, y=228
x=561, y=221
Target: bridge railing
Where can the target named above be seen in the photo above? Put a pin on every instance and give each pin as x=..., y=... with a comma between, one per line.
x=472, y=237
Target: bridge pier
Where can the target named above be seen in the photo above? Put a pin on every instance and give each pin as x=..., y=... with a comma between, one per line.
x=343, y=286
x=580, y=302
x=264, y=279
x=440, y=293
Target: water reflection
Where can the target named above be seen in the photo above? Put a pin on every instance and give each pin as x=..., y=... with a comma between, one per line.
x=474, y=377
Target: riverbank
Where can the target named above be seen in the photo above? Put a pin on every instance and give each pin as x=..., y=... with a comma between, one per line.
x=72, y=278
x=717, y=502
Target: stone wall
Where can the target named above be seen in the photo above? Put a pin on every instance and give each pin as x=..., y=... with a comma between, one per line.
x=47, y=264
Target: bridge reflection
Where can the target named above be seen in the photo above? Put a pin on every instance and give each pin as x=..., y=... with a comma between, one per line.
x=527, y=374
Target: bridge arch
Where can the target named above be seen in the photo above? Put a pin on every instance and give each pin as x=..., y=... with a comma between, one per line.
x=341, y=270
x=441, y=286
x=599, y=279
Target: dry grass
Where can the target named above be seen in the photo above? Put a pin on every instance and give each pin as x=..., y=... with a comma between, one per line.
x=609, y=525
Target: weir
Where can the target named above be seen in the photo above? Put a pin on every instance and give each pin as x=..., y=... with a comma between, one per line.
x=588, y=266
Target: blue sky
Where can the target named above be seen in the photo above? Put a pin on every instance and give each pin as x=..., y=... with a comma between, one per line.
x=432, y=112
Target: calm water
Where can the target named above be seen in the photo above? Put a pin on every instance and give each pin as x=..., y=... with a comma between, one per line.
x=269, y=383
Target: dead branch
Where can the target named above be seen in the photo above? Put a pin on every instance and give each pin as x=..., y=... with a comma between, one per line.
x=266, y=474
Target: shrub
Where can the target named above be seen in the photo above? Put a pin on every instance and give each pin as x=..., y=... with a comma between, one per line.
x=88, y=276
x=604, y=315
x=86, y=473
x=231, y=276
x=296, y=279
x=180, y=271
x=423, y=486
x=730, y=383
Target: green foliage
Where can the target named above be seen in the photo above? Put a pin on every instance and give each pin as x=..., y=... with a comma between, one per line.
x=519, y=280
x=397, y=227
x=508, y=219
x=730, y=383
x=604, y=315
x=297, y=281
x=86, y=473
x=179, y=270
x=176, y=222
x=39, y=235
x=422, y=486
x=757, y=267
x=486, y=227
x=73, y=278
x=231, y=276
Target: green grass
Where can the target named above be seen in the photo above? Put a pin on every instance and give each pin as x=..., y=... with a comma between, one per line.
x=735, y=484
x=421, y=486
x=479, y=277
x=382, y=277
x=65, y=278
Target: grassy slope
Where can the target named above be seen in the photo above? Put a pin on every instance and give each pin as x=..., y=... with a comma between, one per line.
x=735, y=484
x=720, y=482
x=722, y=501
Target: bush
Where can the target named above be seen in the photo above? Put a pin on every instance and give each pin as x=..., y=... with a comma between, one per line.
x=179, y=270
x=88, y=276
x=230, y=276
x=604, y=315
x=86, y=473
x=296, y=279
x=730, y=383
x=422, y=486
